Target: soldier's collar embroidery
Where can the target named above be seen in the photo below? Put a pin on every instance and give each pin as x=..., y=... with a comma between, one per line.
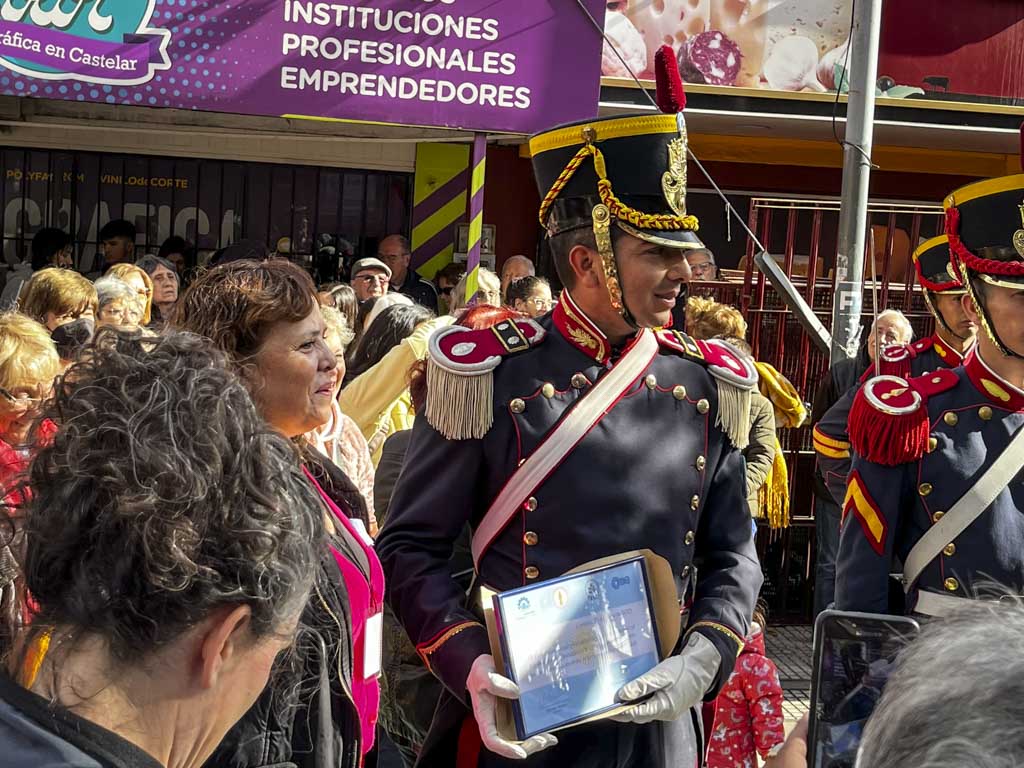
x=991, y=385
x=949, y=356
x=579, y=330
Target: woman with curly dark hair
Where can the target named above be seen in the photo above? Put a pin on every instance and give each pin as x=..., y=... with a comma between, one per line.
x=265, y=316
x=170, y=545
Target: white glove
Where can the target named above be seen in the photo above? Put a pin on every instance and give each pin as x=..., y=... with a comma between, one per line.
x=677, y=684
x=485, y=685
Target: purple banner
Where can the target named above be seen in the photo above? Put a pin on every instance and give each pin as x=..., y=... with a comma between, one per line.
x=515, y=67
x=79, y=56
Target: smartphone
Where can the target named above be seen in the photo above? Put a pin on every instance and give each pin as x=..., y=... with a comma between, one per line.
x=854, y=654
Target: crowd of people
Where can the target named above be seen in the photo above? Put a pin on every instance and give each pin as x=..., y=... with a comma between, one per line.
x=249, y=517
x=174, y=441
x=330, y=377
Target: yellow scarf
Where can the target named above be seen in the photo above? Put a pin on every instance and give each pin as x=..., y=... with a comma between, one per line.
x=789, y=407
x=773, y=497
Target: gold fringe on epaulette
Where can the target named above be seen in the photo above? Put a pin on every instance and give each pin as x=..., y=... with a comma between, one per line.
x=734, y=413
x=459, y=407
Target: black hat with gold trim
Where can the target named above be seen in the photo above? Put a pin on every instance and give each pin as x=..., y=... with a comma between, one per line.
x=627, y=171
x=935, y=270
x=985, y=226
x=634, y=165
x=937, y=274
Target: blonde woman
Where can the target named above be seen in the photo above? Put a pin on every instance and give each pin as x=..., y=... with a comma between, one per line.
x=28, y=366
x=142, y=284
x=488, y=291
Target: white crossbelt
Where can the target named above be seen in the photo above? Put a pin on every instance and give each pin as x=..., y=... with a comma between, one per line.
x=936, y=605
x=966, y=510
x=561, y=441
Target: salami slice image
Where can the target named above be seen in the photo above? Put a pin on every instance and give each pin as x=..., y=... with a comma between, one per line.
x=710, y=57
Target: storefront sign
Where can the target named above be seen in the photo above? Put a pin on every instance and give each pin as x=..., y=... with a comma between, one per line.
x=474, y=64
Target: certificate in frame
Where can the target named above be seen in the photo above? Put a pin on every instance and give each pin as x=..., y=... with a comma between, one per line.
x=571, y=643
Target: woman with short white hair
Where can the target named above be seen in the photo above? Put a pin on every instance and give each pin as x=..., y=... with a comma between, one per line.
x=118, y=304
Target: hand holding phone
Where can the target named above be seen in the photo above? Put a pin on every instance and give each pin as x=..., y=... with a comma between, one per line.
x=854, y=654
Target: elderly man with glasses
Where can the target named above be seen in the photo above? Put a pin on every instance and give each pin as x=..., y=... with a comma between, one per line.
x=702, y=264
x=370, y=278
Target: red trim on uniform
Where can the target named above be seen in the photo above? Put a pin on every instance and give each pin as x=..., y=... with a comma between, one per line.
x=579, y=330
x=951, y=357
x=993, y=387
x=961, y=253
x=883, y=437
x=467, y=753
x=895, y=361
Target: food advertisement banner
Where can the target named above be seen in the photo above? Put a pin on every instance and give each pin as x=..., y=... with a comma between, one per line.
x=928, y=50
x=473, y=64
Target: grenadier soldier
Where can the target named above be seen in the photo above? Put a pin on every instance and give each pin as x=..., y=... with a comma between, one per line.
x=953, y=337
x=935, y=480
x=580, y=435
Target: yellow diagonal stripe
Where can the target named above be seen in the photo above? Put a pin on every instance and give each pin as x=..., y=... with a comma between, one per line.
x=830, y=453
x=476, y=229
x=451, y=212
x=478, y=175
x=831, y=442
x=856, y=496
x=436, y=165
x=473, y=283
x=430, y=268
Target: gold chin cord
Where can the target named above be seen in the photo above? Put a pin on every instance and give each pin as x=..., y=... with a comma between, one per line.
x=986, y=322
x=602, y=219
x=929, y=302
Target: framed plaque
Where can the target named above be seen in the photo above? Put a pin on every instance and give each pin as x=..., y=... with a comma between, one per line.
x=571, y=643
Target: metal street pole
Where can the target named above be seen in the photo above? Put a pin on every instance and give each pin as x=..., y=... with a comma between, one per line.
x=853, y=213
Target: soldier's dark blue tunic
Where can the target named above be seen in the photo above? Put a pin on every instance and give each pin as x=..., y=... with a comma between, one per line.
x=888, y=508
x=655, y=472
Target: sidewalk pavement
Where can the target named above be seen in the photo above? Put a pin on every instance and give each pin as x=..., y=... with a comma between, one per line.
x=790, y=649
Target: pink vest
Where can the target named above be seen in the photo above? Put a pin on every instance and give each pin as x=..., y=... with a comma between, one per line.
x=366, y=604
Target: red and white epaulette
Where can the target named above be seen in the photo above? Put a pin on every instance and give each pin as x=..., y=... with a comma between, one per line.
x=889, y=421
x=733, y=371
x=895, y=360
x=460, y=374
x=722, y=359
x=467, y=352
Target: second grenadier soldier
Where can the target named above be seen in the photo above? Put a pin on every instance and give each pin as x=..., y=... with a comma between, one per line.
x=935, y=483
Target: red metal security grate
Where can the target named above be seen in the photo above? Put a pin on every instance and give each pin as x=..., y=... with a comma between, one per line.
x=802, y=235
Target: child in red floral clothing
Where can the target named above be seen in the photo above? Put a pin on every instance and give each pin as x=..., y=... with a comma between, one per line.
x=748, y=720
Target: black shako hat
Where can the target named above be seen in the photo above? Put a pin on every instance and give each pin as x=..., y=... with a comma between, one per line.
x=634, y=166
x=935, y=270
x=985, y=226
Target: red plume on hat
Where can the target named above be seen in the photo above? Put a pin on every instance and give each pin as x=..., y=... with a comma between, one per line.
x=670, y=94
